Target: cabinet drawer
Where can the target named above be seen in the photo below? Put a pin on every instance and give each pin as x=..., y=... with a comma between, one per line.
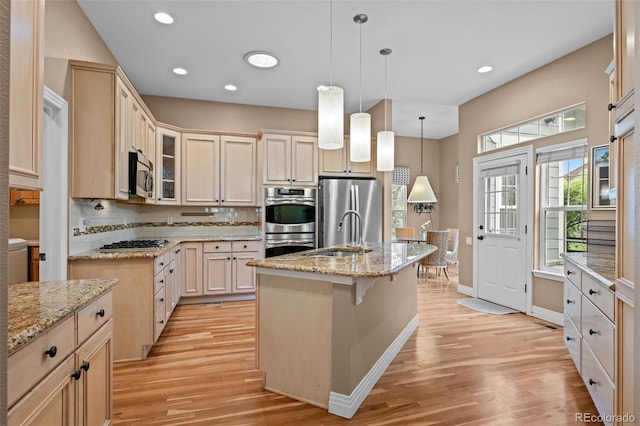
x=598, y=383
x=217, y=247
x=158, y=282
x=158, y=299
x=573, y=274
x=602, y=297
x=27, y=366
x=599, y=333
x=572, y=303
x=159, y=263
x=93, y=316
x=159, y=320
x=238, y=246
x=573, y=340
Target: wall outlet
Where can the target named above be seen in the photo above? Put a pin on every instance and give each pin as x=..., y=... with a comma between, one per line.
x=469, y=241
x=82, y=224
x=169, y=220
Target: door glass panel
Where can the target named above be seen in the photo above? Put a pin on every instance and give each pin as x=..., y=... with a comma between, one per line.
x=501, y=209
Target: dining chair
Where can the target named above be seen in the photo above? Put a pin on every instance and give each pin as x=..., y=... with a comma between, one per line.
x=405, y=232
x=452, y=246
x=437, y=259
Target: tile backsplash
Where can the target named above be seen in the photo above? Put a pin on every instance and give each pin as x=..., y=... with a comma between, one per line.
x=90, y=228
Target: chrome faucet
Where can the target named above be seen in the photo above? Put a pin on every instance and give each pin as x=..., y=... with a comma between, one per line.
x=348, y=212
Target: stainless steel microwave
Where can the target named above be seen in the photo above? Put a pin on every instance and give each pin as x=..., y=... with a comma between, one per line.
x=140, y=175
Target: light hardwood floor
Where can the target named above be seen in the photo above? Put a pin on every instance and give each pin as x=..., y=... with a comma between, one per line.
x=459, y=367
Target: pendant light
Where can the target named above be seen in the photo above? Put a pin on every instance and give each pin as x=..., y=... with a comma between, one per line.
x=330, y=104
x=386, y=138
x=360, y=140
x=422, y=194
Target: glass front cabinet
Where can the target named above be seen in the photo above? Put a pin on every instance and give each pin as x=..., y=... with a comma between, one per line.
x=168, y=166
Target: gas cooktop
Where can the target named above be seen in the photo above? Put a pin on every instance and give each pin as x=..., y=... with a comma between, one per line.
x=133, y=245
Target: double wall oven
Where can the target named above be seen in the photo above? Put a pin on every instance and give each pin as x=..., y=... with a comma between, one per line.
x=290, y=220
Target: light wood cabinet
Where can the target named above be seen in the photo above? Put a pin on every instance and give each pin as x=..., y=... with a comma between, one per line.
x=26, y=94
x=219, y=268
x=625, y=354
x=218, y=170
x=71, y=368
x=290, y=159
x=168, y=158
x=335, y=162
x=34, y=263
x=624, y=53
x=106, y=122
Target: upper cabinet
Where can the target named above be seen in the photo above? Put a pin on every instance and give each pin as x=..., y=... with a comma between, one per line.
x=335, y=162
x=108, y=120
x=167, y=181
x=290, y=159
x=218, y=170
x=26, y=94
x=624, y=48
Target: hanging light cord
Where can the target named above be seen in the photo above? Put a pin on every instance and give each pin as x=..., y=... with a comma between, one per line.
x=331, y=42
x=421, y=146
x=385, y=92
x=361, y=67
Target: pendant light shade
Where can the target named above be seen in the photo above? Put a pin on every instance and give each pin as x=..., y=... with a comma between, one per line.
x=386, y=139
x=330, y=117
x=330, y=105
x=386, y=142
x=360, y=140
x=421, y=194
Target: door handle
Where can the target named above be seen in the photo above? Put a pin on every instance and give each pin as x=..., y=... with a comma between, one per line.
x=481, y=227
x=481, y=237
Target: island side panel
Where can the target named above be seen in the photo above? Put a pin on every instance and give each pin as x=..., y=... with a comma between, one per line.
x=362, y=333
x=294, y=342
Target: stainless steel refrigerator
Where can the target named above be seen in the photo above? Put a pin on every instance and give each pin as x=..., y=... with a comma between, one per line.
x=335, y=196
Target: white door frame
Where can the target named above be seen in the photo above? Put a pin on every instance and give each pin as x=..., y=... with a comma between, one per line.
x=529, y=213
x=54, y=201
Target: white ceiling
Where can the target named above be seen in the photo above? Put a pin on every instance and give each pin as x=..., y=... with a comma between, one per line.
x=437, y=48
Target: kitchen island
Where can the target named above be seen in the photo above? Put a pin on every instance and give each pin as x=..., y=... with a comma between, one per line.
x=330, y=321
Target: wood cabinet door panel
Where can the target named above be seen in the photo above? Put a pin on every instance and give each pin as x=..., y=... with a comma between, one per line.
x=304, y=160
x=217, y=273
x=238, y=164
x=277, y=159
x=191, y=269
x=244, y=280
x=626, y=208
x=201, y=171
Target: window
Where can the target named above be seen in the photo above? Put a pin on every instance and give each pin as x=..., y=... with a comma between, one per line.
x=558, y=122
x=398, y=207
x=563, y=203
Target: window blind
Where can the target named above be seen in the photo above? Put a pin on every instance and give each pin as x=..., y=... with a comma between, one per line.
x=563, y=154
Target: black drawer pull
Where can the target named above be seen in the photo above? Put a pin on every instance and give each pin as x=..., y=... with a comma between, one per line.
x=245, y=246
x=592, y=382
x=570, y=272
x=52, y=351
x=217, y=247
x=76, y=375
x=161, y=281
x=592, y=292
x=611, y=106
x=592, y=332
x=85, y=366
x=161, y=263
x=228, y=258
x=171, y=271
x=100, y=313
x=161, y=321
x=569, y=301
x=570, y=339
x=162, y=299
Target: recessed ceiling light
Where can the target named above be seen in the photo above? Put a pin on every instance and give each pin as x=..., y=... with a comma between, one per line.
x=180, y=71
x=261, y=59
x=163, y=18
x=485, y=68
x=231, y=87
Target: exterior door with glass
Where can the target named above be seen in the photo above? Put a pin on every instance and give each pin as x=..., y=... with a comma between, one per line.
x=502, y=252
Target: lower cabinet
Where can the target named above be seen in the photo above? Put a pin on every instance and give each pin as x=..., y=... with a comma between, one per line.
x=48, y=385
x=219, y=268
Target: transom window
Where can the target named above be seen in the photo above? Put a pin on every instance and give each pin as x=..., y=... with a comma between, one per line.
x=558, y=122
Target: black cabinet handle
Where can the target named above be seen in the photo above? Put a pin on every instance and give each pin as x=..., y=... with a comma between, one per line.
x=344, y=171
x=100, y=313
x=85, y=366
x=569, y=301
x=570, y=272
x=592, y=292
x=592, y=382
x=161, y=321
x=162, y=299
x=222, y=201
x=570, y=339
x=592, y=332
x=177, y=251
x=171, y=271
x=480, y=237
x=293, y=180
x=612, y=139
x=76, y=375
x=161, y=281
x=217, y=247
x=228, y=258
x=611, y=106
x=245, y=246
x=52, y=351
x=234, y=258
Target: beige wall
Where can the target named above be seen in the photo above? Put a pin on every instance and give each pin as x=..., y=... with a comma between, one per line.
x=448, y=188
x=24, y=222
x=575, y=78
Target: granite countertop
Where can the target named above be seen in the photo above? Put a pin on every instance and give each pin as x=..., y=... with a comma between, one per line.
x=152, y=253
x=35, y=307
x=383, y=259
x=600, y=266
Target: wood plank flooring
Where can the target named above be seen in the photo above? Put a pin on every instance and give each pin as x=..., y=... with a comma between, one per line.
x=460, y=367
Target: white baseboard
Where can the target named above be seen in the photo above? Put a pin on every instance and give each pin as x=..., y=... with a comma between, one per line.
x=466, y=290
x=547, y=315
x=347, y=405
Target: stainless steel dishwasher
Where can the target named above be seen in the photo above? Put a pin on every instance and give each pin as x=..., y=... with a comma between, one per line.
x=18, y=260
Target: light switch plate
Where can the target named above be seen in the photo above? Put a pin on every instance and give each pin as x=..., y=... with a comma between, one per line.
x=469, y=241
